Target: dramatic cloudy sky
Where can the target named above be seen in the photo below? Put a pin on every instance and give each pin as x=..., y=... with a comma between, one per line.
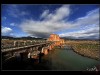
x=76, y=21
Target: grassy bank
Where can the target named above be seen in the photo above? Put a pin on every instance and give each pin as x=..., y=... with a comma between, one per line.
x=86, y=48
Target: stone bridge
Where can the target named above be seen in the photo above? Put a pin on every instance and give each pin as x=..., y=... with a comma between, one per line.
x=32, y=50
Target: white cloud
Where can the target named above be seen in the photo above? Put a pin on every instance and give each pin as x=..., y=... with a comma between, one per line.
x=11, y=34
x=14, y=11
x=59, y=14
x=6, y=30
x=92, y=31
x=4, y=18
x=45, y=13
x=92, y=17
x=12, y=24
x=88, y=26
x=49, y=25
x=54, y=22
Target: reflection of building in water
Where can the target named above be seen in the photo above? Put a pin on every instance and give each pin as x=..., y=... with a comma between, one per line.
x=56, y=39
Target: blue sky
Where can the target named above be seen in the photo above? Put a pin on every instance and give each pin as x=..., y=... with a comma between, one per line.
x=77, y=21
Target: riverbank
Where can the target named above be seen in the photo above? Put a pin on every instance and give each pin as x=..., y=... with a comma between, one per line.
x=86, y=55
x=86, y=48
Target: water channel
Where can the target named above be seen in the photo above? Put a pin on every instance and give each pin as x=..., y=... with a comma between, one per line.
x=57, y=59
x=66, y=59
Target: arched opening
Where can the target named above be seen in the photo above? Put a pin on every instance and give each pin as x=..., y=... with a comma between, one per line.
x=48, y=50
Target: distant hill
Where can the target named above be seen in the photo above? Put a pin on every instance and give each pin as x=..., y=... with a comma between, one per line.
x=71, y=38
x=27, y=38
x=34, y=38
x=6, y=37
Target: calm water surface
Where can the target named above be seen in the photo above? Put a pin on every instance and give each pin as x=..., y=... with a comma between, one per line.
x=65, y=59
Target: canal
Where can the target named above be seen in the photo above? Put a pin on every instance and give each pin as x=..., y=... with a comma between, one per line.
x=66, y=59
x=57, y=59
